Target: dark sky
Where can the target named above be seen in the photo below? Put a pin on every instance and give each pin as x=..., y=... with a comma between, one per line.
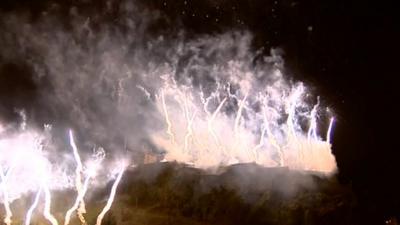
x=347, y=49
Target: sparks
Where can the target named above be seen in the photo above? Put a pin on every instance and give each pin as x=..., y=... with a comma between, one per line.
x=78, y=183
x=47, y=206
x=273, y=126
x=210, y=124
x=32, y=208
x=312, y=131
x=6, y=202
x=29, y=169
x=328, y=133
x=78, y=200
x=167, y=120
x=111, y=197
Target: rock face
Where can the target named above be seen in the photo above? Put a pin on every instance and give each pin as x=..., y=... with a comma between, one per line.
x=171, y=193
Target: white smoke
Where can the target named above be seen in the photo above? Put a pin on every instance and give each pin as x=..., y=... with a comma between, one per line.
x=105, y=80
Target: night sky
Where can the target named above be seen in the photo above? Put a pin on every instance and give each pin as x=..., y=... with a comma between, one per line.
x=346, y=50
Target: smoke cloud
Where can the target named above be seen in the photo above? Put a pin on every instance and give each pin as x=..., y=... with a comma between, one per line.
x=131, y=88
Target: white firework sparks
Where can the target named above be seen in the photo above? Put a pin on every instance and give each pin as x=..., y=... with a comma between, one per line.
x=28, y=169
x=265, y=125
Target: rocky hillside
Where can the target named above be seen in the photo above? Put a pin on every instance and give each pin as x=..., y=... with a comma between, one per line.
x=172, y=193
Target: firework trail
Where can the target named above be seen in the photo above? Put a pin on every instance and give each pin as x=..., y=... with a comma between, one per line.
x=78, y=184
x=169, y=125
x=47, y=206
x=32, y=208
x=328, y=133
x=78, y=200
x=111, y=197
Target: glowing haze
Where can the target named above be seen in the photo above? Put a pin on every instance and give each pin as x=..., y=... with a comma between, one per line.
x=239, y=123
x=207, y=101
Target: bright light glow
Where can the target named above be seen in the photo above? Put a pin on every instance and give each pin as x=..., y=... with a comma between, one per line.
x=28, y=168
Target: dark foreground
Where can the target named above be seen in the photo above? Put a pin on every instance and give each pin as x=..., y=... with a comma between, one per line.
x=170, y=193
